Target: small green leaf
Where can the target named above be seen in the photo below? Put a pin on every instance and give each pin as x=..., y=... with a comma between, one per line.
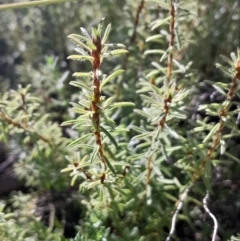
x=120, y=163
x=142, y=113
x=69, y=122
x=94, y=33
x=74, y=179
x=100, y=26
x=225, y=70
x=109, y=136
x=79, y=140
x=85, y=33
x=79, y=37
x=91, y=46
x=85, y=146
x=80, y=57
x=219, y=89
x=118, y=51
x=106, y=34
x=154, y=38
x=79, y=110
x=121, y=104
x=93, y=184
x=158, y=23
x=173, y=133
x=80, y=85
x=94, y=153
x=154, y=51
x=67, y=169
x=110, y=165
x=108, y=101
x=164, y=56
x=179, y=45
x=78, y=42
x=111, y=76
x=211, y=133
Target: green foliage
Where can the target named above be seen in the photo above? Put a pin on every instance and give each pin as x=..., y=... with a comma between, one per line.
x=151, y=118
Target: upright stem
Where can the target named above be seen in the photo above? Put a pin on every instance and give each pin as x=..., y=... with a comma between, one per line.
x=168, y=98
x=96, y=54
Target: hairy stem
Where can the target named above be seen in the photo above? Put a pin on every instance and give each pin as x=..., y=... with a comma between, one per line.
x=96, y=101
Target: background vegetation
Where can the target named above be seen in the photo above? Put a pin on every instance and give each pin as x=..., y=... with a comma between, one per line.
x=181, y=134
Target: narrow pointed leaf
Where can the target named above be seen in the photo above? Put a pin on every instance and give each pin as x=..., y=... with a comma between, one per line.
x=91, y=46
x=79, y=140
x=179, y=45
x=69, y=122
x=111, y=76
x=160, y=22
x=74, y=179
x=80, y=85
x=80, y=57
x=110, y=165
x=85, y=33
x=94, y=153
x=106, y=34
x=78, y=42
x=79, y=37
x=121, y=104
x=118, y=52
x=94, y=33
x=211, y=133
x=154, y=51
x=109, y=136
x=81, y=74
x=68, y=169
x=154, y=38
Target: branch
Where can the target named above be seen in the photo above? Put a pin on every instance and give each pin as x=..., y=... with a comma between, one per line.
x=211, y=215
x=179, y=207
x=21, y=126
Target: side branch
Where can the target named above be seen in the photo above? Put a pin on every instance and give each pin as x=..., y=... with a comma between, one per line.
x=10, y=121
x=216, y=139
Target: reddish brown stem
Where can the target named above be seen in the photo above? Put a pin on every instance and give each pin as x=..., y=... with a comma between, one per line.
x=96, y=54
x=149, y=170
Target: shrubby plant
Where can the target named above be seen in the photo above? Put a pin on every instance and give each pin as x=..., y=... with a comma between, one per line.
x=145, y=139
